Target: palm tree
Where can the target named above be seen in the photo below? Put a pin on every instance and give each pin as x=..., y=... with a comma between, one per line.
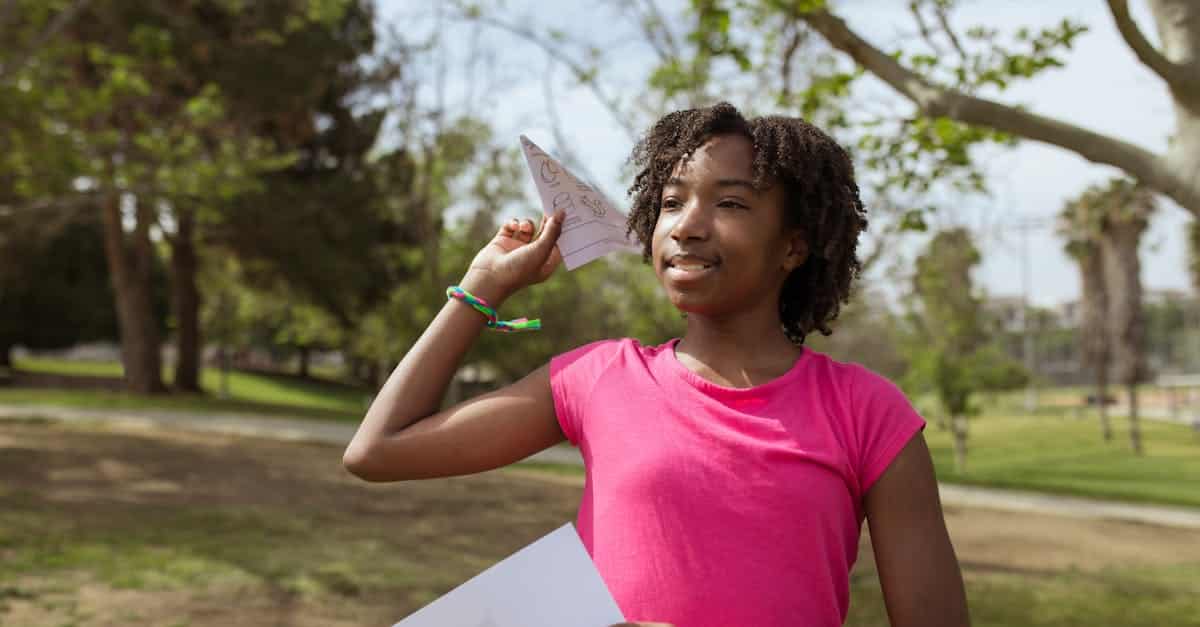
x=1081, y=228
x=1120, y=211
x=1193, y=236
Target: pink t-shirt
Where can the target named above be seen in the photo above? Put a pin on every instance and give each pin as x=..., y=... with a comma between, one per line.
x=714, y=506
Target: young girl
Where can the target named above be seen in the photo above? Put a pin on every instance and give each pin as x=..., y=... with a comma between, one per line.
x=729, y=471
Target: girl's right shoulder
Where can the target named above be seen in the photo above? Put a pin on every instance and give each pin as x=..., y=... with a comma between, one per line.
x=598, y=351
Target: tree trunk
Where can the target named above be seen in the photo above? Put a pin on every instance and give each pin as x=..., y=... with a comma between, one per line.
x=304, y=359
x=1102, y=399
x=129, y=266
x=373, y=375
x=225, y=356
x=1135, y=428
x=1178, y=26
x=1096, y=340
x=1127, y=320
x=185, y=298
x=6, y=356
x=959, y=424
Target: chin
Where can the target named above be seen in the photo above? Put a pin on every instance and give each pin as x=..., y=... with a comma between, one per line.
x=690, y=304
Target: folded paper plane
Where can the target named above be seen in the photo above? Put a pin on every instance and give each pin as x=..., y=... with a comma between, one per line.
x=593, y=227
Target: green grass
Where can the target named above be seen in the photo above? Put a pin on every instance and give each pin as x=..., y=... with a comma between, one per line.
x=309, y=541
x=1059, y=455
x=1141, y=596
x=158, y=548
x=47, y=365
x=250, y=392
x=1047, y=452
x=268, y=549
x=1069, y=456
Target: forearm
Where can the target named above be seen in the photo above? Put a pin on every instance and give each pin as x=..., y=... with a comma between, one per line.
x=416, y=387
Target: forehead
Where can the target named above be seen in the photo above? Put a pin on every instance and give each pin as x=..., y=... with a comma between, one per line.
x=722, y=156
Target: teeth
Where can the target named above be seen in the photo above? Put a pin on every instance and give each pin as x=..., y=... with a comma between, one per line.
x=691, y=267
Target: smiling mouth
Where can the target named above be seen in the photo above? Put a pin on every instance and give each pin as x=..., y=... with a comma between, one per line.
x=690, y=267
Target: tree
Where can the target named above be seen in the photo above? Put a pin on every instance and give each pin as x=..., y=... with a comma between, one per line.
x=951, y=352
x=31, y=26
x=313, y=49
x=923, y=82
x=1081, y=226
x=108, y=123
x=1113, y=217
x=161, y=113
x=1193, y=235
x=1127, y=208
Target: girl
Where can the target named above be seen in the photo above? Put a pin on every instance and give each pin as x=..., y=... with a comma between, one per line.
x=729, y=471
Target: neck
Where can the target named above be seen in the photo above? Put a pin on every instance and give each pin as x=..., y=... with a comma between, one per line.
x=746, y=348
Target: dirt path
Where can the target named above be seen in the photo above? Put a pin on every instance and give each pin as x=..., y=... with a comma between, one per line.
x=113, y=527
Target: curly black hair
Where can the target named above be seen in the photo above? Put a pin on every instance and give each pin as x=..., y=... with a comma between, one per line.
x=820, y=193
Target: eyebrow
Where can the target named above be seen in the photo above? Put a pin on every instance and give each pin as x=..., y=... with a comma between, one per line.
x=749, y=185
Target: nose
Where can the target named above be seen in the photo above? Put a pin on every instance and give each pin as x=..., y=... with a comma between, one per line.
x=691, y=222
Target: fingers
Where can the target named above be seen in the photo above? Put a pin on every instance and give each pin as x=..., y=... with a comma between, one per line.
x=521, y=230
x=524, y=230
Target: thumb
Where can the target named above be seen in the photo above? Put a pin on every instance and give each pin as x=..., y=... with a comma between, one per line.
x=551, y=229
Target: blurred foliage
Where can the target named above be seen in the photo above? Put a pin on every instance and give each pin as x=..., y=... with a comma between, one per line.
x=902, y=150
x=952, y=354
x=54, y=286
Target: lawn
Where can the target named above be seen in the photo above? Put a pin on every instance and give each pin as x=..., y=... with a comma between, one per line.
x=1050, y=451
x=1055, y=453
x=101, y=527
x=255, y=392
x=1061, y=455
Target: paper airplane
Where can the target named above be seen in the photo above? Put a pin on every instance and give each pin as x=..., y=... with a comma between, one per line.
x=550, y=583
x=593, y=228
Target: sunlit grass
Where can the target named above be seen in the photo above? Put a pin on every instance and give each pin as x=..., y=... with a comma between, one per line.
x=1051, y=451
x=1058, y=455
x=248, y=392
x=1069, y=456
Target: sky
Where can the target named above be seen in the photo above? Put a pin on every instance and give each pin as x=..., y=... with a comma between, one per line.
x=1103, y=88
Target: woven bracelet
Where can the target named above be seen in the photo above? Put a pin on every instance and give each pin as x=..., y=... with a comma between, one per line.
x=493, y=321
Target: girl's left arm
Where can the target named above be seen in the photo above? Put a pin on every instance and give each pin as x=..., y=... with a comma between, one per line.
x=919, y=573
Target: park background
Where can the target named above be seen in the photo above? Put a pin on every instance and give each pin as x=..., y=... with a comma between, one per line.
x=223, y=222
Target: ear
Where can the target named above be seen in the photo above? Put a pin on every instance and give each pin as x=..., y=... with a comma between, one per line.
x=797, y=252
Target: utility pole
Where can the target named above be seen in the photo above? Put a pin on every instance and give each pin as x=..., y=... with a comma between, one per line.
x=1031, y=395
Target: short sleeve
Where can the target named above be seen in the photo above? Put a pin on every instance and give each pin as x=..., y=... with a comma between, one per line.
x=885, y=421
x=572, y=377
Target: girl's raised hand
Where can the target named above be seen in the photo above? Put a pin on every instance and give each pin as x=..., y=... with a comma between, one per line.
x=515, y=258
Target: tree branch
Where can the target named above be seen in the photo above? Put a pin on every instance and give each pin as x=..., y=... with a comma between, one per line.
x=926, y=34
x=944, y=21
x=581, y=73
x=60, y=22
x=653, y=14
x=1176, y=75
x=936, y=101
x=785, y=67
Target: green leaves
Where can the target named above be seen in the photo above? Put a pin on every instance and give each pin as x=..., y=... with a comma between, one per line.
x=953, y=355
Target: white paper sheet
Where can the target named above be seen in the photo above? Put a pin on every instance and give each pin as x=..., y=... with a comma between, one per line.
x=550, y=583
x=593, y=227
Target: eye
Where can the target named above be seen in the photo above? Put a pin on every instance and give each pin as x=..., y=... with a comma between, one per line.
x=670, y=204
x=731, y=204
